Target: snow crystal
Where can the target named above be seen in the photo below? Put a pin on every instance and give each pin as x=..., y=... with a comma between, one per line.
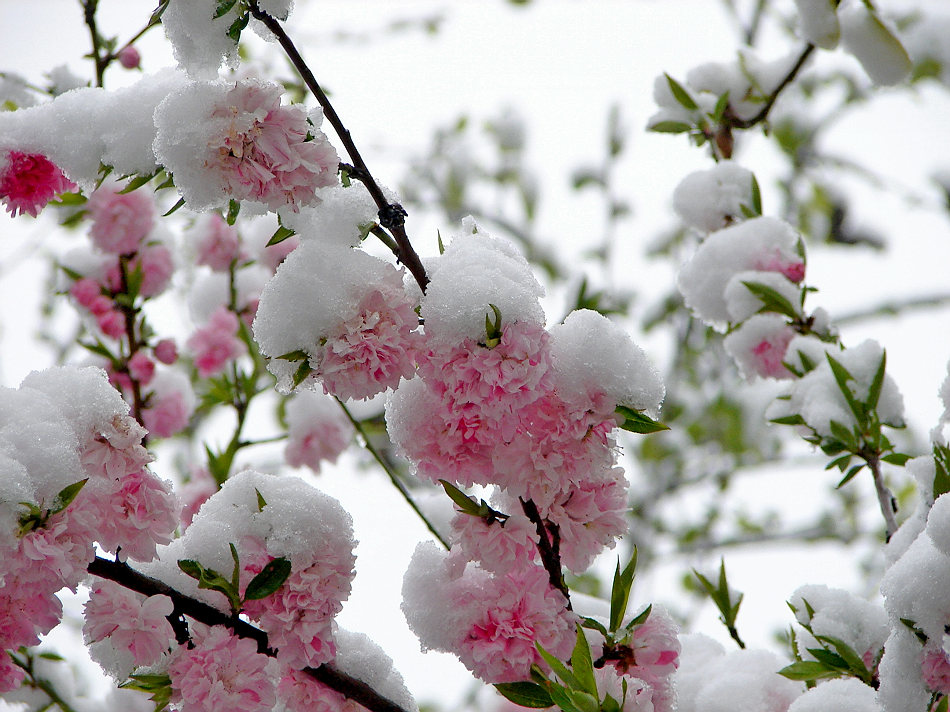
x=360, y=657
x=818, y=22
x=842, y=695
x=902, y=687
x=590, y=352
x=712, y=199
x=876, y=47
x=475, y=271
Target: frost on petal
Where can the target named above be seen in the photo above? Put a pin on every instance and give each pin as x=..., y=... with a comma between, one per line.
x=712, y=199
x=476, y=271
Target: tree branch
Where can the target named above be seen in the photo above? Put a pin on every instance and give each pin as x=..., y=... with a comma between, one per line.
x=131, y=579
x=549, y=545
x=885, y=497
x=392, y=216
x=773, y=97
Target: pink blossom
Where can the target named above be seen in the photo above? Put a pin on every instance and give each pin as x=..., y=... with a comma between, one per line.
x=771, y=353
x=157, y=266
x=194, y=493
x=166, y=352
x=112, y=324
x=11, y=675
x=167, y=413
x=935, y=669
x=120, y=222
x=218, y=243
x=129, y=57
x=271, y=256
x=131, y=622
x=653, y=656
x=116, y=449
x=639, y=695
x=301, y=693
x=317, y=430
x=370, y=352
x=140, y=512
x=794, y=270
x=28, y=181
x=222, y=672
x=216, y=343
x=517, y=611
x=59, y=552
x=141, y=368
x=499, y=546
x=264, y=155
x=86, y=291
x=298, y=617
x=28, y=611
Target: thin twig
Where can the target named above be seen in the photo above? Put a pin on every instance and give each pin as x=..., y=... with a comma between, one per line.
x=885, y=497
x=131, y=579
x=773, y=97
x=392, y=216
x=549, y=545
x=393, y=477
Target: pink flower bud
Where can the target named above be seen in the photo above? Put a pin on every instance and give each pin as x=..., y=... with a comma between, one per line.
x=141, y=367
x=129, y=57
x=166, y=351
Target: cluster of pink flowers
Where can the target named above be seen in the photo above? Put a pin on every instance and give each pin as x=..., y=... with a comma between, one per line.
x=217, y=343
x=317, y=430
x=133, y=624
x=120, y=221
x=116, y=501
x=28, y=181
x=301, y=693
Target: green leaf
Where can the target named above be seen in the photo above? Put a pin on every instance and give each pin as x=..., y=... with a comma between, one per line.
x=841, y=462
x=175, y=207
x=941, y=455
x=670, y=127
x=584, y=701
x=236, y=571
x=756, y=196
x=70, y=199
x=635, y=421
x=640, y=618
x=234, y=31
x=465, y=503
x=493, y=328
x=852, y=659
x=525, y=694
x=302, y=372
x=896, y=458
x=680, y=94
x=261, y=502
x=592, y=624
x=842, y=377
x=271, y=578
x=850, y=476
x=559, y=668
x=560, y=697
x=441, y=251
x=191, y=568
x=842, y=434
x=298, y=355
x=234, y=207
x=66, y=495
x=620, y=591
x=874, y=392
x=720, y=109
x=829, y=659
x=795, y=419
x=582, y=664
x=281, y=234
x=223, y=8
x=771, y=300
x=137, y=183
x=921, y=636
x=806, y=670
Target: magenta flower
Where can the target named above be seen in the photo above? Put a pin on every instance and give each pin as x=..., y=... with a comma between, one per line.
x=28, y=181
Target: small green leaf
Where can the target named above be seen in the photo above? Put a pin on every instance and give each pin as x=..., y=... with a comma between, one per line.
x=66, y=495
x=850, y=476
x=191, y=568
x=846, y=652
x=261, y=502
x=465, y=503
x=771, y=300
x=806, y=670
x=680, y=94
x=670, y=127
x=592, y=624
x=561, y=698
x=720, y=109
x=281, y=234
x=223, y=8
x=640, y=618
x=842, y=377
x=635, y=421
x=175, y=207
x=137, y=183
x=559, y=668
x=234, y=208
x=236, y=571
x=584, y=701
x=756, y=196
x=582, y=664
x=234, y=31
x=795, y=419
x=841, y=462
x=298, y=355
x=441, y=248
x=302, y=372
x=525, y=694
x=829, y=659
x=70, y=199
x=896, y=458
x=874, y=392
x=271, y=578
x=620, y=590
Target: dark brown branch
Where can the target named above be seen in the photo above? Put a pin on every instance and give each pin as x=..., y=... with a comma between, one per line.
x=773, y=97
x=549, y=547
x=392, y=216
x=131, y=579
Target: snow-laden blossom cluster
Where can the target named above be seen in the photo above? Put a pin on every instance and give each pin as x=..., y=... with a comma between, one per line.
x=74, y=474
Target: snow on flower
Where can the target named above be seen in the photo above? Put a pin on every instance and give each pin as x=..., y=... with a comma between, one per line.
x=759, y=346
x=347, y=311
x=712, y=199
x=132, y=623
x=936, y=670
x=120, y=222
x=239, y=143
x=28, y=181
x=317, y=430
x=763, y=244
x=498, y=546
x=217, y=343
x=222, y=672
